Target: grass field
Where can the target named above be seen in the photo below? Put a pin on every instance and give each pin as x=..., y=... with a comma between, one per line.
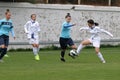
x=22, y=66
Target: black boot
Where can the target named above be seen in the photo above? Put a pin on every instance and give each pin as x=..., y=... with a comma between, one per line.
x=62, y=55
x=3, y=52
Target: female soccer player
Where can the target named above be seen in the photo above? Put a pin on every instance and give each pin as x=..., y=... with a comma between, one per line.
x=32, y=29
x=65, y=37
x=6, y=26
x=94, y=39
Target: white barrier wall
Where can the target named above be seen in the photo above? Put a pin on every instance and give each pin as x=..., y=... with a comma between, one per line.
x=51, y=17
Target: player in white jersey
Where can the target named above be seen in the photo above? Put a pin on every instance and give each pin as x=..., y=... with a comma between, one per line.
x=32, y=29
x=94, y=39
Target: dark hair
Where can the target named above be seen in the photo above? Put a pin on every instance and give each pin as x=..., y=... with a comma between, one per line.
x=7, y=11
x=68, y=15
x=91, y=21
x=96, y=24
x=32, y=15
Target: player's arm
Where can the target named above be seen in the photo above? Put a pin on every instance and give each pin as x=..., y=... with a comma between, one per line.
x=26, y=27
x=12, y=32
x=68, y=25
x=38, y=27
x=84, y=28
x=106, y=32
x=0, y=23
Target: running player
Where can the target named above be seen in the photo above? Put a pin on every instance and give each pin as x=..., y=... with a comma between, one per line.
x=32, y=29
x=65, y=36
x=6, y=26
x=94, y=39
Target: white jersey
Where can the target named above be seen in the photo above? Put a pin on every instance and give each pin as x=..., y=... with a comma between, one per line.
x=32, y=28
x=95, y=38
x=95, y=32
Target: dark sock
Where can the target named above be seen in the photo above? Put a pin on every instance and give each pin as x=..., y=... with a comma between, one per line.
x=3, y=52
x=62, y=54
x=0, y=50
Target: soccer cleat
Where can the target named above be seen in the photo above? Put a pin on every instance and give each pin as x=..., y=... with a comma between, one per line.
x=6, y=55
x=37, y=57
x=62, y=59
x=103, y=61
x=73, y=56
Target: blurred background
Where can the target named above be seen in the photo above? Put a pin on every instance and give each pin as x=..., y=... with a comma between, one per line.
x=82, y=2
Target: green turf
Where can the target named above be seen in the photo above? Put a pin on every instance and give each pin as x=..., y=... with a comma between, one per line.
x=22, y=66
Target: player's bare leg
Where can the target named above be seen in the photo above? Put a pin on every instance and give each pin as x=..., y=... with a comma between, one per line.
x=82, y=44
x=100, y=56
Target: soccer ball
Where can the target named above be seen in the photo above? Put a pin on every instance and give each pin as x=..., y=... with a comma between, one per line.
x=73, y=52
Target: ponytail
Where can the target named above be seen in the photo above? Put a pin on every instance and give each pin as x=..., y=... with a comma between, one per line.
x=96, y=24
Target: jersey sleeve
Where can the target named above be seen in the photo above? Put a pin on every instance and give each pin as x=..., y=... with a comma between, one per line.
x=12, y=32
x=26, y=27
x=66, y=25
x=12, y=25
x=106, y=32
x=38, y=27
x=0, y=23
x=12, y=29
x=84, y=28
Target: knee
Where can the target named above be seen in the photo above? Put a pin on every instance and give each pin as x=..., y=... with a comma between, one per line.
x=82, y=43
x=97, y=51
x=73, y=47
x=63, y=50
x=35, y=45
x=3, y=46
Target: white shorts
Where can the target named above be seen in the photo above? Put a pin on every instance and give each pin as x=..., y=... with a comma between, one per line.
x=34, y=41
x=95, y=42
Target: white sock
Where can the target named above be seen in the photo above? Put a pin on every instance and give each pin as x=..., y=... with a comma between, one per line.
x=100, y=56
x=35, y=50
x=79, y=48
